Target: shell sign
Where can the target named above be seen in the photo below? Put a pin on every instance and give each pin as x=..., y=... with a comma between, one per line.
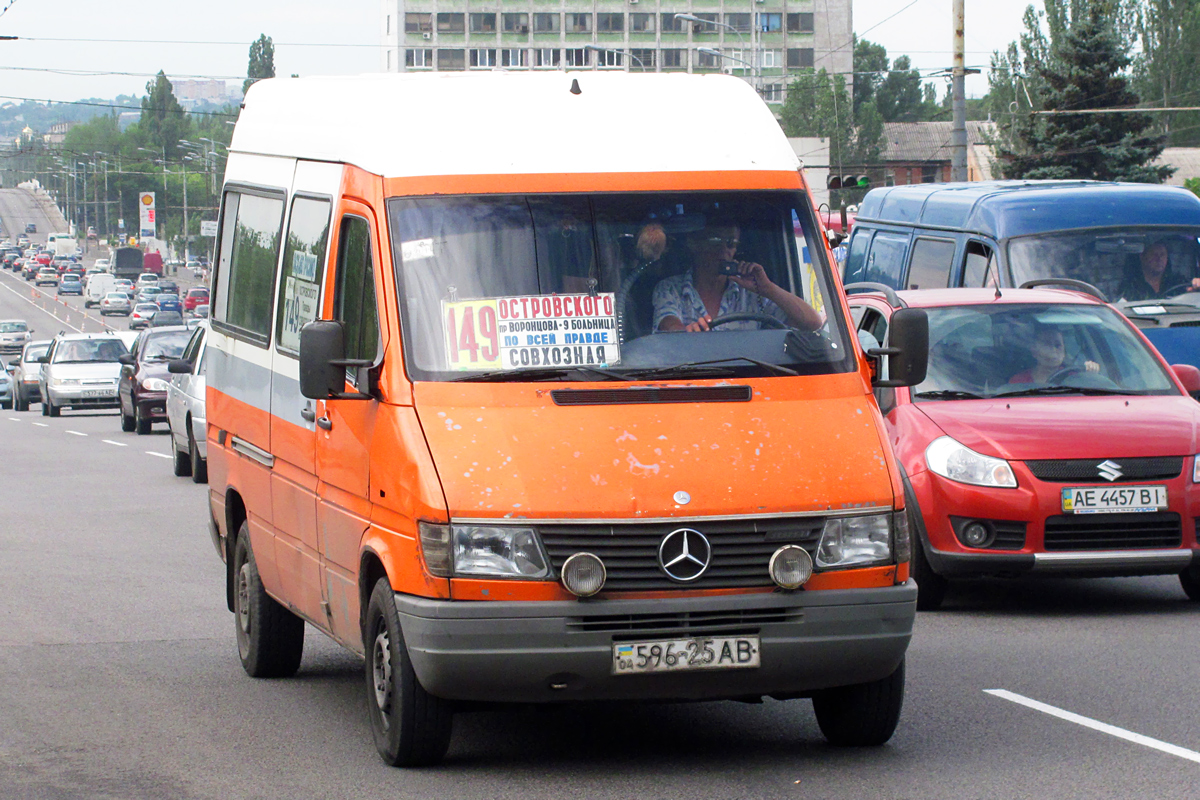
x=146, y=220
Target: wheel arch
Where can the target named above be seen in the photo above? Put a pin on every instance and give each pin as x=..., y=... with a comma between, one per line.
x=370, y=570
x=235, y=515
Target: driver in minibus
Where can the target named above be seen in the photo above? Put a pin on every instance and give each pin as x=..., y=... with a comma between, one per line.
x=718, y=285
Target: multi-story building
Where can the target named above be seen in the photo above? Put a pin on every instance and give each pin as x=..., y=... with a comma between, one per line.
x=764, y=41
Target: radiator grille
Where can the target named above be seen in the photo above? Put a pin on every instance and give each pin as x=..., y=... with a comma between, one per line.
x=651, y=394
x=741, y=550
x=1085, y=470
x=709, y=622
x=1113, y=531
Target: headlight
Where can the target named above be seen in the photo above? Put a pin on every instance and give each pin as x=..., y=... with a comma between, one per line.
x=1196, y=469
x=956, y=461
x=856, y=541
x=484, y=551
x=64, y=381
x=154, y=385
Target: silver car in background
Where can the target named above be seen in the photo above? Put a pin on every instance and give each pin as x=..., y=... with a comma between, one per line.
x=6, y=386
x=81, y=370
x=185, y=408
x=14, y=335
x=25, y=375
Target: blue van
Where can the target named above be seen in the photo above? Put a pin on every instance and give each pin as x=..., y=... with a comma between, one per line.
x=1137, y=244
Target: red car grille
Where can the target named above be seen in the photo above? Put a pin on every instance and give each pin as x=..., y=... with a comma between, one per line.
x=1113, y=531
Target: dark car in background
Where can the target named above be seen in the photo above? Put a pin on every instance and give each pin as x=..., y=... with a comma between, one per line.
x=163, y=318
x=168, y=302
x=143, y=385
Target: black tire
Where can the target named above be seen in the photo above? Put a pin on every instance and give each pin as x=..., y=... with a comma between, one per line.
x=141, y=421
x=863, y=715
x=411, y=727
x=931, y=587
x=127, y=422
x=45, y=407
x=51, y=409
x=7, y=404
x=1190, y=580
x=199, y=465
x=181, y=463
x=270, y=638
x=19, y=402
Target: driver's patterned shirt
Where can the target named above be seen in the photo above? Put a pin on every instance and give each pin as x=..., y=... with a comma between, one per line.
x=677, y=296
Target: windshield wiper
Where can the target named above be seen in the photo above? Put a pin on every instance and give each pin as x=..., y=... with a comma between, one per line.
x=947, y=394
x=545, y=374
x=692, y=367
x=1051, y=390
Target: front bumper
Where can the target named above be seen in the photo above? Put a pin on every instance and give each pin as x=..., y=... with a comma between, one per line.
x=547, y=652
x=153, y=405
x=79, y=397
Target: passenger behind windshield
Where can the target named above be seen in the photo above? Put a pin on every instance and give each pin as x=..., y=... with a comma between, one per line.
x=718, y=285
x=90, y=350
x=1154, y=280
x=1049, y=352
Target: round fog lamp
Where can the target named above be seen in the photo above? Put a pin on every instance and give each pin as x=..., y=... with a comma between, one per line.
x=791, y=566
x=583, y=574
x=975, y=534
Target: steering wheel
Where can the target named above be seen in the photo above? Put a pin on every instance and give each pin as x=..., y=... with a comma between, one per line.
x=1182, y=288
x=748, y=316
x=1063, y=373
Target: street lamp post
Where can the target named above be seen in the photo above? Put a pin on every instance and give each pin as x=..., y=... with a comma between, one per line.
x=597, y=48
x=741, y=40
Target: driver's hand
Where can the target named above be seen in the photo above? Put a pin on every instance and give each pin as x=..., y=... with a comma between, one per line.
x=1091, y=366
x=751, y=276
x=699, y=325
x=1195, y=287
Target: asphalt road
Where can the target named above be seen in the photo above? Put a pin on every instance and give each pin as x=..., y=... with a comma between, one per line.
x=121, y=677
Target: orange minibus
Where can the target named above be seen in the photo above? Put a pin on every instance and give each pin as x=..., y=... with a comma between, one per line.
x=540, y=388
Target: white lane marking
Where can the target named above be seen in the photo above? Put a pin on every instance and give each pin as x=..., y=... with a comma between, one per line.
x=15, y=419
x=41, y=425
x=76, y=433
x=46, y=310
x=1103, y=727
x=118, y=444
x=160, y=455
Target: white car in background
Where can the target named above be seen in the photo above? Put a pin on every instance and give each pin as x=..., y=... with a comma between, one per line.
x=186, y=415
x=80, y=371
x=14, y=335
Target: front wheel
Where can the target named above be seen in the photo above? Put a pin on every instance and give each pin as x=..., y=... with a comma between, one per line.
x=51, y=409
x=182, y=464
x=862, y=715
x=199, y=465
x=411, y=727
x=142, y=422
x=270, y=638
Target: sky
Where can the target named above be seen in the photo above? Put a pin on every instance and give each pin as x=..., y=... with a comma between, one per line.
x=128, y=41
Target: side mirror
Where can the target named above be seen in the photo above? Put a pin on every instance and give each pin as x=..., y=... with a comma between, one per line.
x=908, y=350
x=179, y=366
x=1189, y=376
x=323, y=362
x=43, y=359
x=127, y=359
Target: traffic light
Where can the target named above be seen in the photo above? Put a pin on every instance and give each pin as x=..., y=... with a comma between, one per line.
x=848, y=182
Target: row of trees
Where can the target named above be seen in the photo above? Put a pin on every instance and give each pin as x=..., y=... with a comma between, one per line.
x=99, y=170
x=1092, y=56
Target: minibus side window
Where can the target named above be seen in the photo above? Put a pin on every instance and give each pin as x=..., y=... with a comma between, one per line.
x=886, y=260
x=931, y=263
x=856, y=260
x=980, y=267
x=303, y=270
x=250, y=248
x=354, y=296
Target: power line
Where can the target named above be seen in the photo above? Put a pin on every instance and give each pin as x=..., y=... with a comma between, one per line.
x=114, y=105
x=90, y=73
x=188, y=41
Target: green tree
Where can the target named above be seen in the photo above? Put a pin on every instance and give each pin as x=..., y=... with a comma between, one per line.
x=262, y=61
x=1079, y=64
x=870, y=67
x=163, y=121
x=1164, y=71
x=899, y=96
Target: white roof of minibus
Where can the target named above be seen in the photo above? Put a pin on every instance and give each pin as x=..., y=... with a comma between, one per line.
x=505, y=123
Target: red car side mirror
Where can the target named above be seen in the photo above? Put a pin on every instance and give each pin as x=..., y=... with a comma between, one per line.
x=1189, y=376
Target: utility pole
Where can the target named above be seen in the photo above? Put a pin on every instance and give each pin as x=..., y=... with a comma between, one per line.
x=183, y=163
x=958, y=131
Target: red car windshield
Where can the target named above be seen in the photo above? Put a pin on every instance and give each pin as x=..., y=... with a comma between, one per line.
x=1008, y=350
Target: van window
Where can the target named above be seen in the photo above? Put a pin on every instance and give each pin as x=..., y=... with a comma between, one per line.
x=246, y=272
x=503, y=283
x=856, y=259
x=354, y=297
x=980, y=267
x=886, y=259
x=303, y=270
x=931, y=263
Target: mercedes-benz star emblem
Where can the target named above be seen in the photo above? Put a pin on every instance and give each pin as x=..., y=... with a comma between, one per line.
x=684, y=554
x=1109, y=470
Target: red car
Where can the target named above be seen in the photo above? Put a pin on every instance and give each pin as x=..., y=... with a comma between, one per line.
x=1048, y=437
x=197, y=296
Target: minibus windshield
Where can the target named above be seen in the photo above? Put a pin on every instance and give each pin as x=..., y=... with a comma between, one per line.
x=1132, y=264
x=615, y=286
x=1009, y=350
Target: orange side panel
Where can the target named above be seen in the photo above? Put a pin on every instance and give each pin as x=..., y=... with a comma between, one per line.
x=593, y=182
x=240, y=419
x=401, y=557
